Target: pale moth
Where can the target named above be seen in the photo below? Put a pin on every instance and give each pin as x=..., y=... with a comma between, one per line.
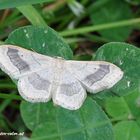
x=40, y=78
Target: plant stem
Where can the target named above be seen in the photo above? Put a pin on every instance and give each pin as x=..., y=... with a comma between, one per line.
x=88, y=29
x=4, y=104
x=7, y=85
x=10, y=96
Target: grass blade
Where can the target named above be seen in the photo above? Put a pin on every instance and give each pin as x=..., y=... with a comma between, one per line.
x=15, y=3
x=32, y=15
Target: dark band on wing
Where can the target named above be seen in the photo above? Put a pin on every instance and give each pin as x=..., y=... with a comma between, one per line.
x=69, y=89
x=98, y=75
x=38, y=82
x=17, y=61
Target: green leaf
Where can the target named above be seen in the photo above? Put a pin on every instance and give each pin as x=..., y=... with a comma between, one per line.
x=127, y=130
x=32, y=15
x=117, y=107
x=51, y=123
x=4, y=4
x=110, y=13
x=35, y=114
x=127, y=57
x=127, y=107
x=42, y=40
x=133, y=101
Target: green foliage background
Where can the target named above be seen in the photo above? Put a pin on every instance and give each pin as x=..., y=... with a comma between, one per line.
x=112, y=114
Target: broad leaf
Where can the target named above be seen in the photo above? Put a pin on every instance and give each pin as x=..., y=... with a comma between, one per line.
x=127, y=57
x=42, y=40
x=117, y=107
x=127, y=130
x=127, y=107
x=37, y=113
x=54, y=123
x=109, y=12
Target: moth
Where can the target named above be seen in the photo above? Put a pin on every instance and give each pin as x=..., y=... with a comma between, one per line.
x=41, y=78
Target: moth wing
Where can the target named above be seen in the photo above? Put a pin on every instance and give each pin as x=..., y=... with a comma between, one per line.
x=36, y=87
x=17, y=62
x=95, y=76
x=68, y=92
